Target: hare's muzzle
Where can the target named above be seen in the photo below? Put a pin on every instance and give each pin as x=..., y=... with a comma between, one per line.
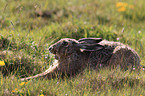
x=52, y=49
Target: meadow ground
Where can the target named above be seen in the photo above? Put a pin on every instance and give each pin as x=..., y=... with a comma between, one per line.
x=29, y=27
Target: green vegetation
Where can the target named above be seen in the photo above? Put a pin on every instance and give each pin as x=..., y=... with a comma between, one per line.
x=29, y=27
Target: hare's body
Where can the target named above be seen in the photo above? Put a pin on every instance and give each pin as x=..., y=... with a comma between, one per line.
x=75, y=55
x=121, y=54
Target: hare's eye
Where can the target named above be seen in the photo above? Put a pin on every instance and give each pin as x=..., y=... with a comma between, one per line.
x=65, y=43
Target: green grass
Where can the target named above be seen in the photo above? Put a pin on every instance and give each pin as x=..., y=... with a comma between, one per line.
x=25, y=38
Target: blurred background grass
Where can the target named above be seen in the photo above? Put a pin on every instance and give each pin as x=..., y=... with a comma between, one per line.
x=29, y=27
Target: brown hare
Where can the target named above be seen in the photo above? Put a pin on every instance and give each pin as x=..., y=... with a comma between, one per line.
x=74, y=55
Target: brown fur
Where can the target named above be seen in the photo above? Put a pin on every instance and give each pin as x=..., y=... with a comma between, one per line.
x=75, y=55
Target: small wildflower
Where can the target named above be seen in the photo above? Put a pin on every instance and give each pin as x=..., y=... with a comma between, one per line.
x=13, y=91
x=41, y=95
x=133, y=68
x=2, y=63
x=118, y=38
x=57, y=83
x=121, y=4
x=16, y=89
x=139, y=32
x=100, y=65
x=22, y=83
x=122, y=9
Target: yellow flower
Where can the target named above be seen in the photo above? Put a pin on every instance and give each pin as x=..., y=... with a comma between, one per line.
x=26, y=82
x=121, y=9
x=121, y=4
x=2, y=63
x=13, y=91
x=22, y=83
x=131, y=6
x=41, y=95
x=16, y=89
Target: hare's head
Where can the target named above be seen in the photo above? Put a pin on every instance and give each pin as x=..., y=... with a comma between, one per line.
x=68, y=46
x=64, y=47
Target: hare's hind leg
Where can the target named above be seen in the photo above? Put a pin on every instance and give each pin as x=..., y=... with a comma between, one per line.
x=125, y=57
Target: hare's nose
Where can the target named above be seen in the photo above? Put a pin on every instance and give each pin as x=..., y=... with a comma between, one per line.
x=50, y=48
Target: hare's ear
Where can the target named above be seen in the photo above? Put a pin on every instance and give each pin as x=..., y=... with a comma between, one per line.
x=90, y=47
x=90, y=40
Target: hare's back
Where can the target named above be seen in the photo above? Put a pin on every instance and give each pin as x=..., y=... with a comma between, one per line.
x=111, y=43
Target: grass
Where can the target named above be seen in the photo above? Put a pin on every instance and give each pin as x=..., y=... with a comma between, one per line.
x=26, y=33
